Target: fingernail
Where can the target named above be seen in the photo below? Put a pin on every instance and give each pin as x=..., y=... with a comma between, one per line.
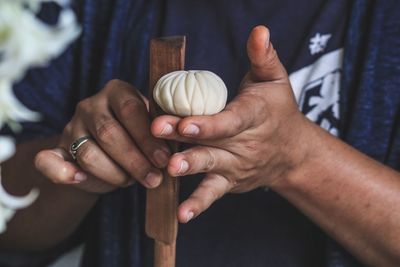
x=191, y=129
x=160, y=157
x=189, y=216
x=79, y=177
x=167, y=130
x=184, y=166
x=153, y=179
x=267, y=41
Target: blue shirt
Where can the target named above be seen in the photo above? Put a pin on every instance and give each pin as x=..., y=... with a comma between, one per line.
x=267, y=230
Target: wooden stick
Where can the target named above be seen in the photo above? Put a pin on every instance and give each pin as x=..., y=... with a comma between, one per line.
x=164, y=254
x=166, y=55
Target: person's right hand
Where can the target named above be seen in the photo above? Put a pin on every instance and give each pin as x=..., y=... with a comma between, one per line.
x=121, y=150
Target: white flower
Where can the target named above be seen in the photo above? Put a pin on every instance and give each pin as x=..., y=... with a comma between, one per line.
x=8, y=203
x=7, y=148
x=34, y=5
x=26, y=41
x=11, y=110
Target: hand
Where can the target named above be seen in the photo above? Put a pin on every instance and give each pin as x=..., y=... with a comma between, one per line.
x=256, y=140
x=121, y=150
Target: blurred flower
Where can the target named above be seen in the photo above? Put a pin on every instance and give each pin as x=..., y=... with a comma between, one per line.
x=8, y=203
x=11, y=109
x=7, y=148
x=25, y=42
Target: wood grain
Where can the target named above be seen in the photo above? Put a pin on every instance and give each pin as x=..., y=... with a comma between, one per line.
x=166, y=55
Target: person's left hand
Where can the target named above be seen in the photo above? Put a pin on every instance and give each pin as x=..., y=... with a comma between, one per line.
x=260, y=137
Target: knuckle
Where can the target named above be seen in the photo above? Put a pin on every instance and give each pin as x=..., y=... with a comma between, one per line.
x=256, y=155
x=245, y=166
x=83, y=106
x=130, y=107
x=113, y=83
x=86, y=157
x=68, y=129
x=139, y=170
x=237, y=125
x=210, y=160
x=64, y=176
x=213, y=194
x=251, y=146
x=107, y=131
x=244, y=170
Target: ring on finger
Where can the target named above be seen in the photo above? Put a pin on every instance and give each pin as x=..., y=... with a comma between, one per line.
x=73, y=149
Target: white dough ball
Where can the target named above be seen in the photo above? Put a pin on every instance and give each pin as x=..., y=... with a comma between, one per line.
x=193, y=92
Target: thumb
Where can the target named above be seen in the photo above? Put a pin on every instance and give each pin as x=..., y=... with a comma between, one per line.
x=53, y=164
x=265, y=64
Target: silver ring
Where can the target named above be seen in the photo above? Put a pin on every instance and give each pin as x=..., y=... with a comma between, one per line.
x=73, y=149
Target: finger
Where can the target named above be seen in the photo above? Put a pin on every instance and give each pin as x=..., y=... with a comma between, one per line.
x=165, y=127
x=265, y=64
x=118, y=145
x=200, y=159
x=92, y=159
x=132, y=112
x=204, y=130
x=236, y=118
x=53, y=164
x=210, y=189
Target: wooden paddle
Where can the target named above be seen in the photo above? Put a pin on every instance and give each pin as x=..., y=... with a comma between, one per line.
x=166, y=55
